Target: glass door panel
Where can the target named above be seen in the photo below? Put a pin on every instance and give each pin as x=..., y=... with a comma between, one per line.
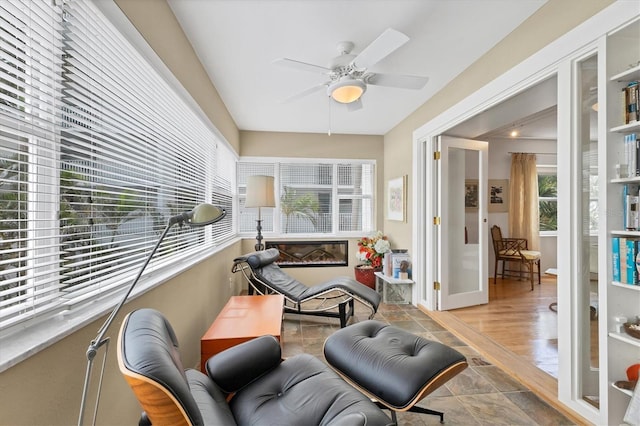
x=587, y=289
x=463, y=226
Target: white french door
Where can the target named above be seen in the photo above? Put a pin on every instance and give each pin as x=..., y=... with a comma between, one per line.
x=461, y=227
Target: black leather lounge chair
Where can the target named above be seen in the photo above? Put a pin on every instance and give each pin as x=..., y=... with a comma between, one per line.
x=300, y=390
x=333, y=298
x=250, y=384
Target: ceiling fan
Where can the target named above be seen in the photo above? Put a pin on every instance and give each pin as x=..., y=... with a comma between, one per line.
x=349, y=74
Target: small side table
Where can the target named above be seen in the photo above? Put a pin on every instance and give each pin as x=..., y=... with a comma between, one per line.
x=394, y=290
x=242, y=318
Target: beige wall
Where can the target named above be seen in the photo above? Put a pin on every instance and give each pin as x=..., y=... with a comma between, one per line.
x=160, y=28
x=311, y=145
x=551, y=21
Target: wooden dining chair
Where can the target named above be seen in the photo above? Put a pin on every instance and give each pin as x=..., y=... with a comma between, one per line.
x=514, y=250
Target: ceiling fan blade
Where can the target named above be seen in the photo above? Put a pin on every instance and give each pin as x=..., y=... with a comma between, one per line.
x=398, y=80
x=303, y=66
x=379, y=48
x=304, y=93
x=355, y=105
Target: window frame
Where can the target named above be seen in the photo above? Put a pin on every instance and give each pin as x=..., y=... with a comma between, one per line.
x=548, y=170
x=273, y=229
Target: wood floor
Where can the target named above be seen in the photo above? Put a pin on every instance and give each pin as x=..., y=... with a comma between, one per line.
x=519, y=319
x=517, y=331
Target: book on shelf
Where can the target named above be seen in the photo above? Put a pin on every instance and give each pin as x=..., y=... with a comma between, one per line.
x=636, y=264
x=630, y=262
x=387, y=260
x=636, y=142
x=626, y=260
x=631, y=102
x=631, y=207
x=631, y=149
x=615, y=255
x=623, y=260
x=386, y=264
x=632, y=213
x=631, y=155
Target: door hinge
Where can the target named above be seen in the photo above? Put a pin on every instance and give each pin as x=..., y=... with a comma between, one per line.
x=436, y=220
x=436, y=285
x=436, y=155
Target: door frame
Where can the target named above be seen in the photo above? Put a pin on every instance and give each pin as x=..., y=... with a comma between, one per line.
x=426, y=137
x=552, y=59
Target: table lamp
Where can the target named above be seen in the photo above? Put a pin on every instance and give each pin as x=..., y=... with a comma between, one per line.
x=260, y=193
x=201, y=215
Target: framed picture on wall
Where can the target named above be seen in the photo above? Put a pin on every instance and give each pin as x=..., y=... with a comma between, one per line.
x=471, y=194
x=397, y=199
x=498, y=195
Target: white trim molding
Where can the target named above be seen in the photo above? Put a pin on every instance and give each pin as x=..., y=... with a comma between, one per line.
x=555, y=58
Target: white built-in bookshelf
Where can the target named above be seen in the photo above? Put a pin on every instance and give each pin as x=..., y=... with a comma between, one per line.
x=622, y=299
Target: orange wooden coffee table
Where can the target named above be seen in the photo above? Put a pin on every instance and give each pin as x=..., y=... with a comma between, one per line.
x=242, y=318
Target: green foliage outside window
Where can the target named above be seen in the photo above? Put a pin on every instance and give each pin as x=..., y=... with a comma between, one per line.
x=548, y=193
x=302, y=206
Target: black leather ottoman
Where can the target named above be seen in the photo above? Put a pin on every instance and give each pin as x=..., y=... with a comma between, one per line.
x=392, y=366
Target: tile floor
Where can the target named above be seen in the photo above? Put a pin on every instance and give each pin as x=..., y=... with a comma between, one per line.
x=481, y=395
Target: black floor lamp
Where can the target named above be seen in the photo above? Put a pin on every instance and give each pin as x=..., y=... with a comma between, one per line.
x=260, y=194
x=201, y=215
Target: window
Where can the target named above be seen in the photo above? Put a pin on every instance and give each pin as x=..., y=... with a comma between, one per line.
x=327, y=197
x=548, y=200
x=97, y=151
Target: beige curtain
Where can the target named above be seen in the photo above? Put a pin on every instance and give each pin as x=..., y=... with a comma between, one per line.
x=523, y=199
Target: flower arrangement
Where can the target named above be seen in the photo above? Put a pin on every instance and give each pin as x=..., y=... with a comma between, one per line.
x=371, y=249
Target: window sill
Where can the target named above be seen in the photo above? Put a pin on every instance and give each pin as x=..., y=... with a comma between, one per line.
x=23, y=341
x=546, y=234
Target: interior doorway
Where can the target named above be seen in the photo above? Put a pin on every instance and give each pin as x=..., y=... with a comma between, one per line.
x=526, y=122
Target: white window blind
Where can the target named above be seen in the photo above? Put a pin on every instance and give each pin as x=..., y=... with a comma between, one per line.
x=97, y=151
x=355, y=197
x=306, y=198
x=327, y=197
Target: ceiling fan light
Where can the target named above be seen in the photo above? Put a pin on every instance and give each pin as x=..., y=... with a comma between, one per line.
x=346, y=90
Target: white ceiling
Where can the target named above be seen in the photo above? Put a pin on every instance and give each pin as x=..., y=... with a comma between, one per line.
x=532, y=113
x=237, y=41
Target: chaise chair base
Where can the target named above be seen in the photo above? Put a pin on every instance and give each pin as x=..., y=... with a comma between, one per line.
x=414, y=409
x=346, y=310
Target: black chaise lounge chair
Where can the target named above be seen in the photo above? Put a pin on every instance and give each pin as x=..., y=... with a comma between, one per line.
x=334, y=298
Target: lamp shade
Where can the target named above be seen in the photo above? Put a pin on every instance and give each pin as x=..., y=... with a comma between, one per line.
x=205, y=214
x=260, y=192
